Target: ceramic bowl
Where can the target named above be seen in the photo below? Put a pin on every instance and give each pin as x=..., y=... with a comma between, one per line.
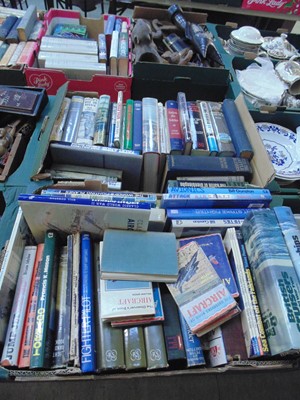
x=247, y=34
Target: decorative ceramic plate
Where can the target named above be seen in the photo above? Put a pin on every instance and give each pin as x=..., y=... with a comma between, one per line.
x=280, y=144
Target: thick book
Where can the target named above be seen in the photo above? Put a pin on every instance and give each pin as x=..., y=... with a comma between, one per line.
x=156, y=353
x=87, y=323
x=205, y=166
x=253, y=331
x=214, y=249
x=28, y=326
x=134, y=347
x=275, y=279
x=13, y=36
x=87, y=121
x=192, y=345
x=172, y=331
x=27, y=23
x=199, y=292
x=70, y=215
x=291, y=233
x=178, y=197
x=109, y=341
x=200, y=144
x=173, y=127
x=72, y=123
x=14, y=330
x=133, y=255
x=48, y=270
x=100, y=134
x=6, y=26
x=126, y=299
x=237, y=130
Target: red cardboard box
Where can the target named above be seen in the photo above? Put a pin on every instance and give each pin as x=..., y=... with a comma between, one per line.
x=52, y=80
x=274, y=6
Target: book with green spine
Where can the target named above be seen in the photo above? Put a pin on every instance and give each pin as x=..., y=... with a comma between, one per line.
x=156, y=352
x=48, y=269
x=135, y=351
x=128, y=125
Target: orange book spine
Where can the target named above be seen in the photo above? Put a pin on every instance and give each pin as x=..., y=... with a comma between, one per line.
x=28, y=327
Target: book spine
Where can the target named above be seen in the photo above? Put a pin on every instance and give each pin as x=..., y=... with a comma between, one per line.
x=87, y=332
x=137, y=141
x=73, y=119
x=87, y=121
x=185, y=124
x=109, y=24
x=208, y=128
x=134, y=346
x=112, y=125
x=163, y=134
x=28, y=326
x=113, y=55
x=232, y=192
x=128, y=138
x=58, y=127
x=13, y=36
x=150, y=130
x=44, y=299
x=123, y=53
x=101, y=121
x=173, y=127
x=8, y=54
x=291, y=233
x=14, y=331
x=156, y=353
x=7, y=26
x=237, y=130
x=27, y=53
x=102, y=53
x=27, y=23
x=207, y=213
x=189, y=223
x=192, y=345
x=119, y=117
x=200, y=145
x=17, y=53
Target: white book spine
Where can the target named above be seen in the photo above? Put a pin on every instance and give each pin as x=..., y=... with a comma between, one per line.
x=87, y=120
x=114, y=45
x=17, y=53
x=119, y=117
x=150, y=127
x=15, y=325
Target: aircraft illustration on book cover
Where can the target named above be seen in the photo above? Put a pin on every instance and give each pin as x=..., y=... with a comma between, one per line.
x=187, y=272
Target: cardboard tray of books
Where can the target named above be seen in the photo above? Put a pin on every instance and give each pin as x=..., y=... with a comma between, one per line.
x=52, y=79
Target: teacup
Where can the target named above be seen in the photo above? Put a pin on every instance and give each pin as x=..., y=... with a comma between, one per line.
x=289, y=72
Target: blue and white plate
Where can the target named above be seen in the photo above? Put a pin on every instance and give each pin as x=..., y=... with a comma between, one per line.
x=280, y=144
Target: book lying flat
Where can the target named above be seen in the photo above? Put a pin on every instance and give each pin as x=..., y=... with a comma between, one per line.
x=146, y=256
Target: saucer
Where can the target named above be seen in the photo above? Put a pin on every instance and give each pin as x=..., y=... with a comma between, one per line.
x=280, y=144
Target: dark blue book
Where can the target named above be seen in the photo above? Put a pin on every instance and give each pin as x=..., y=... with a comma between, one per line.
x=207, y=213
x=214, y=249
x=237, y=130
x=87, y=331
x=7, y=25
x=173, y=127
x=110, y=24
x=137, y=142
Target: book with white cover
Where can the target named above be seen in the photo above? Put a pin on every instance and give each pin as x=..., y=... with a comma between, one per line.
x=67, y=45
x=79, y=58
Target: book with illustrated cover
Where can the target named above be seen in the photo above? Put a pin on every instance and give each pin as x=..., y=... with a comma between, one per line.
x=58, y=127
x=214, y=249
x=185, y=124
x=100, y=134
x=72, y=122
x=87, y=121
x=199, y=292
x=275, y=280
x=155, y=347
x=42, y=320
x=123, y=50
x=134, y=347
x=28, y=326
x=15, y=326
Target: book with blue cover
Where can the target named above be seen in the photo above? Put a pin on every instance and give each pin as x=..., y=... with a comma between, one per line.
x=207, y=213
x=87, y=327
x=276, y=282
x=173, y=127
x=137, y=140
x=214, y=249
x=144, y=256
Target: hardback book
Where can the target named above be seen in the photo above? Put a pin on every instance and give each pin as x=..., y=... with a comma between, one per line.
x=134, y=347
x=58, y=126
x=113, y=55
x=158, y=315
x=69, y=215
x=128, y=142
x=22, y=100
x=87, y=323
x=237, y=130
x=253, y=330
x=8, y=54
x=133, y=255
x=119, y=118
x=112, y=124
x=208, y=127
x=3, y=49
x=7, y=25
x=42, y=320
x=126, y=299
x=74, y=353
x=184, y=228
x=172, y=331
x=236, y=180
x=72, y=122
x=156, y=353
x=137, y=139
x=200, y=144
x=123, y=51
x=75, y=69
x=291, y=233
x=27, y=334
x=185, y=124
x=100, y=135
x=151, y=144
x=109, y=24
x=102, y=53
x=17, y=53
x=214, y=249
x=14, y=330
x=275, y=280
x=192, y=345
x=207, y=213
x=87, y=121
x=205, y=166
x=67, y=57
x=69, y=45
x=27, y=53
x=13, y=36
x=209, y=182
x=199, y=292
x=27, y=23
x=234, y=341
x=222, y=133
x=109, y=341
x=173, y=127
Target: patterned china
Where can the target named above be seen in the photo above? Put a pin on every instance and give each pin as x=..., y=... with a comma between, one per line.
x=279, y=47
